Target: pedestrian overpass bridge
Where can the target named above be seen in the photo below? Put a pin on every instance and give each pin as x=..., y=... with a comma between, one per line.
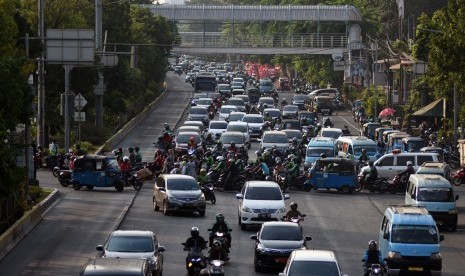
x=234, y=40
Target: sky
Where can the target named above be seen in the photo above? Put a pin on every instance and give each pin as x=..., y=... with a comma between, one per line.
x=177, y=2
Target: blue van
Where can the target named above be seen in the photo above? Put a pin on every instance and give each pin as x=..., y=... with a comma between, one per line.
x=435, y=193
x=316, y=147
x=409, y=240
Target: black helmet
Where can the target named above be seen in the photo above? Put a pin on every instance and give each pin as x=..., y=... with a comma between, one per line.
x=293, y=206
x=370, y=163
x=233, y=143
x=323, y=155
x=364, y=151
x=77, y=146
x=195, y=232
x=136, y=149
x=372, y=245
x=130, y=149
x=219, y=217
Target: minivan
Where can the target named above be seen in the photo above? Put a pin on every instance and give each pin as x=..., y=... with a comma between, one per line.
x=435, y=193
x=409, y=240
x=391, y=164
x=352, y=146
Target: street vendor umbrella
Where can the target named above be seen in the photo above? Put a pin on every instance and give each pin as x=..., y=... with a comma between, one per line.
x=387, y=112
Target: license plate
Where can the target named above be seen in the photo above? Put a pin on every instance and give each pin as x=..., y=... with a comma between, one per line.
x=415, y=268
x=325, y=110
x=264, y=215
x=281, y=260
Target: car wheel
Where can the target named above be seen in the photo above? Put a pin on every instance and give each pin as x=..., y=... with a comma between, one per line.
x=165, y=208
x=202, y=213
x=155, y=205
x=76, y=186
x=345, y=189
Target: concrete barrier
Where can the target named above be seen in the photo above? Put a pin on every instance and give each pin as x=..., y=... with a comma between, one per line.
x=25, y=224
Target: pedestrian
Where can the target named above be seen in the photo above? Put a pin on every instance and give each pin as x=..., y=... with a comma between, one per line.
x=53, y=150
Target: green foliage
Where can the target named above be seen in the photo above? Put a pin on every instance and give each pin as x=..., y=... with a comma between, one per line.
x=373, y=97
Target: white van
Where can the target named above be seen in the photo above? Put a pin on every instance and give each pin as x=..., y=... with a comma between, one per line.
x=351, y=147
x=435, y=193
x=391, y=164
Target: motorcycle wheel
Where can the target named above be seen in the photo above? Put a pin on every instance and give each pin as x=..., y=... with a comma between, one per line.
x=382, y=187
x=454, y=164
x=213, y=199
x=63, y=182
x=358, y=187
x=56, y=173
x=137, y=185
x=457, y=181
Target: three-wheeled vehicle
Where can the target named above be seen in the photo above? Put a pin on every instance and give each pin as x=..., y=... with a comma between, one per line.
x=333, y=173
x=308, y=118
x=437, y=150
x=379, y=132
x=395, y=141
x=96, y=171
x=254, y=95
x=369, y=130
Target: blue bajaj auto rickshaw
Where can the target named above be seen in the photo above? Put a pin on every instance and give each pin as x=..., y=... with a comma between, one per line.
x=96, y=171
x=333, y=173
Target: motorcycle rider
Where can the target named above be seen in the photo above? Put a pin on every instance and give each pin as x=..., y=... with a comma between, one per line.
x=203, y=177
x=79, y=151
x=125, y=167
x=278, y=168
x=233, y=147
x=195, y=240
x=254, y=110
x=221, y=226
x=372, y=256
x=328, y=123
x=372, y=174
x=346, y=131
x=209, y=141
x=294, y=213
x=293, y=170
x=261, y=167
x=363, y=158
x=208, y=159
x=132, y=156
x=317, y=129
x=176, y=169
x=138, y=154
x=410, y=170
x=267, y=117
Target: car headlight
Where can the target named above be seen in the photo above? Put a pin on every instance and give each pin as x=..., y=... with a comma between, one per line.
x=201, y=197
x=281, y=210
x=394, y=255
x=246, y=209
x=453, y=211
x=436, y=256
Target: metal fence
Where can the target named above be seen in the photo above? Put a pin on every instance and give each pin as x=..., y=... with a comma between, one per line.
x=218, y=40
x=8, y=209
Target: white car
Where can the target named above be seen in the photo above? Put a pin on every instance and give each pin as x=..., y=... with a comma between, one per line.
x=311, y=262
x=217, y=128
x=204, y=102
x=274, y=138
x=225, y=110
x=255, y=122
x=260, y=201
x=243, y=128
x=236, y=116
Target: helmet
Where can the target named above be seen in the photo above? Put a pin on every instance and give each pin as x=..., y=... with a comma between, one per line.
x=125, y=158
x=323, y=155
x=364, y=151
x=202, y=170
x=318, y=125
x=409, y=163
x=219, y=217
x=176, y=165
x=370, y=163
x=220, y=158
x=277, y=160
x=293, y=206
x=294, y=139
x=77, y=146
x=208, y=153
x=195, y=232
x=233, y=143
x=184, y=157
x=136, y=149
x=120, y=149
x=284, y=99
x=166, y=125
x=130, y=149
x=268, y=178
x=328, y=119
x=372, y=245
x=192, y=139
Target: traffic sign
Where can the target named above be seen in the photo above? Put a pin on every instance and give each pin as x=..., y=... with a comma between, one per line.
x=79, y=116
x=79, y=102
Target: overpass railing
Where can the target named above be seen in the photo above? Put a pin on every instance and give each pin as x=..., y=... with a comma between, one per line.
x=219, y=40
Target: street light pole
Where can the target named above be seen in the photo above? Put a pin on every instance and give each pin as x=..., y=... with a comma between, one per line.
x=40, y=140
x=455, y=117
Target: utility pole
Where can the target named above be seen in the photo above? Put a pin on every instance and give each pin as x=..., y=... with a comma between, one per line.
x=40, y=140
x=455, y=118
x=100, y=87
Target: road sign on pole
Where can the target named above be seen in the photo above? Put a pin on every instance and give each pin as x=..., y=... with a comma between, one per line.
x=79, y=116
x=79, y=102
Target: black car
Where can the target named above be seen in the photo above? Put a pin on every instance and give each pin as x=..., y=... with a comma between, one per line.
x=275, y=242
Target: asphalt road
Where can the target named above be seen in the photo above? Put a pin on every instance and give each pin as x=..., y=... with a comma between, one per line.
x=66, y=238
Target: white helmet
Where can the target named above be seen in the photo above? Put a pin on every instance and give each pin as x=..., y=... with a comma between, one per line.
x=284, y=99
x=125, y=158
x=409, y=163
x=220, y=158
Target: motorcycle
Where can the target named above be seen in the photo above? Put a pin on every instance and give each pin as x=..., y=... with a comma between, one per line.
x=378, y=185
x=398, y=184
x=207, y=190
x=297, y=220
x=195, y=261
x=38, y=159
x=452, y=159
x=458, y=178
x=64, y=177
x=130, y=179
x=281, y=180
x=218, y=247
x=375, y=270
x=216, y=268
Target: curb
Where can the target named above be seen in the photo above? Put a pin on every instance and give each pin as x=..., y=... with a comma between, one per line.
x=25, y=224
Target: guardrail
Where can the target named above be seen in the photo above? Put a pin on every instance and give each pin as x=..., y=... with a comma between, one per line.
x=218, y=40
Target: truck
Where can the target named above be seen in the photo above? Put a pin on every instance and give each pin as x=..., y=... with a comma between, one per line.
x=205, y=82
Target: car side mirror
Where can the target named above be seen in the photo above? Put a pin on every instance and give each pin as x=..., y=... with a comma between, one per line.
x=386, y=236
x=161, y=249
x=308, y=238
x=239, y=196
x=209, y=229
x=441, y=238
x=286, y=196
x=99, y=248
x=253, y=237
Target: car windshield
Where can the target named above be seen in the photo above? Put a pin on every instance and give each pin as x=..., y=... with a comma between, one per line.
x=236, y=117
x=316, y=152
x=253, y=119
x=300, y=97
x=292, y=134
x=112, y=164
x=332, y=134
x=371, y=150
x=266, y=83
x=267, y=101
x=236, y=83
x=130, y=244
x=283, y=233
x=224, y=87
x=275, y=138
x=218, y=125
x=182, y=185
x=228, y=110
x=414, y=146
x=435, y=195
x=201, y=111
x=184, y=138
x=227, y=139
x=204, y=102
x=414, y=234
x=263, y=193
x=237, y=128
x=290, y=108
x=236, y=102
x=312, y=268
x=273, y=113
